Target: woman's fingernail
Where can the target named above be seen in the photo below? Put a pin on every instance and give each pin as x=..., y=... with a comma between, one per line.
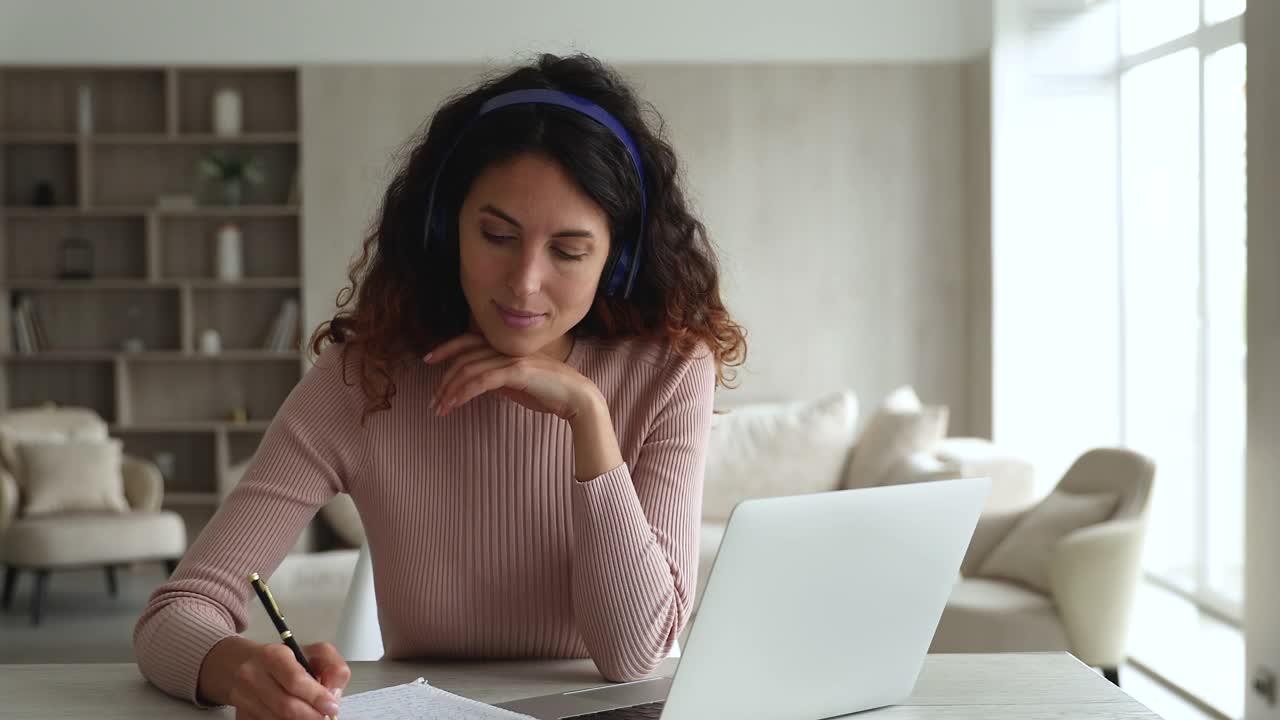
x=337, y=692
x=426, y=358
x=330, y=709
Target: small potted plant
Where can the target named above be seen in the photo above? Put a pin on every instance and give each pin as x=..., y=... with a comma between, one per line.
x=231, y=172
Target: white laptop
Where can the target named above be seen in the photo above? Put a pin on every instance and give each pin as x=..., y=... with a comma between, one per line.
x=817, y=606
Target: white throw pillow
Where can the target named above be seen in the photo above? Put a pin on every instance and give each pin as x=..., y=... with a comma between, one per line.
x=899, y=428
x=45, y=424
x=72, y=476
x=1023, y=555
x=771, y=449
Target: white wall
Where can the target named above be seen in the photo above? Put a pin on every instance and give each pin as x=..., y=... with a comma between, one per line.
x=838, y=195
x=393, y=31
x=1055, y=375
x=1262, y=493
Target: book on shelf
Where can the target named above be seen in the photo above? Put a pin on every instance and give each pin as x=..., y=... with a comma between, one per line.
x=284, y=330
x=28, y=331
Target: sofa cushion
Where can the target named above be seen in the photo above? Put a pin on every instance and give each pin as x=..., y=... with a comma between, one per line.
x=1023, y=555
x=71, y=539
x=994, y=616
x=344, y=519
x=70, y=476
x=312, y=589
x=771, y=449
x=900, y=427
x=45, y=424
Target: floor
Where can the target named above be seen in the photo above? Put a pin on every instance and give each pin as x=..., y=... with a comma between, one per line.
x=82, y=623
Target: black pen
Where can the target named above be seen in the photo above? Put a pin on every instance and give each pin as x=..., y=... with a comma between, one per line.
x=277, y=618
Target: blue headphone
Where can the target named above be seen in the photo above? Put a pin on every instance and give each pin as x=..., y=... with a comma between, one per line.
x=622, y=274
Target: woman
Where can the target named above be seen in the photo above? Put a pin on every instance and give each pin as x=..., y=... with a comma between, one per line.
x=516, y=392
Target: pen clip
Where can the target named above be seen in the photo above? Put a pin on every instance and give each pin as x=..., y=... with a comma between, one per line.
x=266, y=595
x=271, y=599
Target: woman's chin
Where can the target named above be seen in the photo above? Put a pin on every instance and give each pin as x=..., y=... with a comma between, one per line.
x=513, y=344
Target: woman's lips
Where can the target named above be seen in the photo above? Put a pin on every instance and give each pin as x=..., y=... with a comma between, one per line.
x=518, y=320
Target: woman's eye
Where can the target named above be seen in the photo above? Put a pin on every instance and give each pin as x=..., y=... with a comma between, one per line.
x=495, y=238
x=569, y=256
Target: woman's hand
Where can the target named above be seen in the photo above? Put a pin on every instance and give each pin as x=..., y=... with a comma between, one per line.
x=537, y=382
x=267, y=682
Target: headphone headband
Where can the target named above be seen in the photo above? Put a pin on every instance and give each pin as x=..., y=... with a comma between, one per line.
x=622, y=273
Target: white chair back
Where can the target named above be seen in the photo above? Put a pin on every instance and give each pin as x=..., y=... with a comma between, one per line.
x=359, y=632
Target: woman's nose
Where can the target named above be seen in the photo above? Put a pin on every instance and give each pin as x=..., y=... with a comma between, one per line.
x=525, y=276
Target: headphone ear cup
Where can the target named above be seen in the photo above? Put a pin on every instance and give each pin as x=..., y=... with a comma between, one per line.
x=618, y=269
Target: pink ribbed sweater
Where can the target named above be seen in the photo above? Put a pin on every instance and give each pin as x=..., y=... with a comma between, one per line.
x=483, y=544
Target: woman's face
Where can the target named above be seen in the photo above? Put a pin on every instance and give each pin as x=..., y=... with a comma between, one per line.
x=532, y=247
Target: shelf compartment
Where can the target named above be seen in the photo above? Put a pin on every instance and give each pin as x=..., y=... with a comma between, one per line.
x=194, y=515
x=101, y=318
x=207, y=392
x=28, y=165
x=155, y=170
x=188, y=246
x=46, y=100
x=243, y=317
x=34, y=246
x=88, y=384
x=193, y=469
x=218, y=211
x=268, y=99
x=241, y=446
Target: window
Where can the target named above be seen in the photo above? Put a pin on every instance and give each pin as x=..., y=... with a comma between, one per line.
x=1182, y=221
x=1224, y=116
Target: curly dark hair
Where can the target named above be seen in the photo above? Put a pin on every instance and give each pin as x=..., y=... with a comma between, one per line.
x=405, y=297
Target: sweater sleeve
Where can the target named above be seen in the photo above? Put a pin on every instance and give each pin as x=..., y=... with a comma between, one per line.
x=312, y=447
x=636, y=533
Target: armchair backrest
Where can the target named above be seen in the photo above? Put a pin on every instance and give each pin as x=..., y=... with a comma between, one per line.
x=46, y=423
x=1117, y=470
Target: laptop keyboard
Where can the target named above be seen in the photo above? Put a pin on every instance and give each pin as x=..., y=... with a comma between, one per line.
x=648, y=711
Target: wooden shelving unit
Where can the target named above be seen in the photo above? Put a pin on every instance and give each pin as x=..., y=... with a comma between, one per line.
x=154, y=268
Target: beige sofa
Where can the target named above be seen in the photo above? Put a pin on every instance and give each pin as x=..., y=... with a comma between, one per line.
x=755, y=450
x=42, y=543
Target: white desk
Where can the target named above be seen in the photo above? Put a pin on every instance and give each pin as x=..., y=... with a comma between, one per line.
x=990, y=687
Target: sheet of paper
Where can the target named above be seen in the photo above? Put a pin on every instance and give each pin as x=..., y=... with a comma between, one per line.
x=419, y=701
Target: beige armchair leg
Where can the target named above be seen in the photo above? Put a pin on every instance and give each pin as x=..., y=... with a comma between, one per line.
x=1112, y=674
x=10, y=580
x=37, y=594
x=113, y=588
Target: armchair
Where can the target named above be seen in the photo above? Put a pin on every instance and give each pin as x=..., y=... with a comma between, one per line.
x=1093, y=574
x=65, y=540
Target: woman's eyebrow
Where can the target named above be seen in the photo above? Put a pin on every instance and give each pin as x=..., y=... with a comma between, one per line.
x=489, y=208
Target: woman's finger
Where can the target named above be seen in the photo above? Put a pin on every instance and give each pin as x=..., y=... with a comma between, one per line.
x=297, y=693
x=462, y=361
x=453, y=346
x=330, y=667
x=247, y=706
x=486, y=382
x=451, y=394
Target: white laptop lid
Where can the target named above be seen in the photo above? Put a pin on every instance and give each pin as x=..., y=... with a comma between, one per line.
x=825, y=604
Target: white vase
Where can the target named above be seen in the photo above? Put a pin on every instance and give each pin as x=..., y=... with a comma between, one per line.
x=210, y=342
x=230, y=262
x=226, y=112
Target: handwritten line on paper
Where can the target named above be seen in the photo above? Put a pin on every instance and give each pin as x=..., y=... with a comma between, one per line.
x=418, y=700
